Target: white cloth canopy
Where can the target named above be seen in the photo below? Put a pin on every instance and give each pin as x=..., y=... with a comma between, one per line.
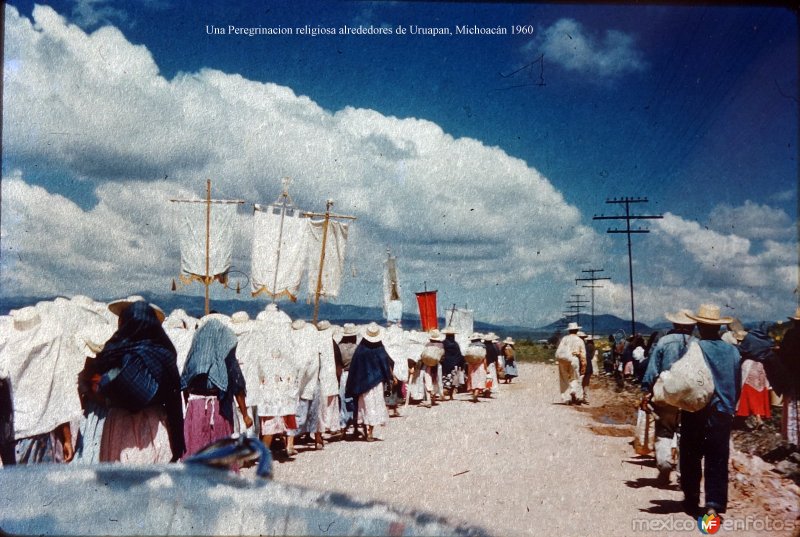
x=305, y=353
x=192, y=235
x=328, y=383
x=462, y=320
x=181, y=339
x=43, y=368
x=395, y=343
x=269, y=371
x=333, y=269
x=279, y=252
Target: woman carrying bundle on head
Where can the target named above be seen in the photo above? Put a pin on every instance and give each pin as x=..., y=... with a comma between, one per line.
x=430, y=358
x=212, y=379
x=369, y=373
x=510, y=359
x=475, y=356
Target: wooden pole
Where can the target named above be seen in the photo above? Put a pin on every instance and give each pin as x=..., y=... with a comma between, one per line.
x=328, y=206
x=207, y=280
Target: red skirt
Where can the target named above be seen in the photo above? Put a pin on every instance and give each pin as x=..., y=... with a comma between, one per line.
x=753, y=402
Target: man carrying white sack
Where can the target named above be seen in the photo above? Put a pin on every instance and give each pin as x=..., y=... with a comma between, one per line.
x=571, y=356
x=666, y=352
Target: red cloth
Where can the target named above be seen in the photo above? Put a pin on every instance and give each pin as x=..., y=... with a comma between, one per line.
x=753, y=402
x=427, y=310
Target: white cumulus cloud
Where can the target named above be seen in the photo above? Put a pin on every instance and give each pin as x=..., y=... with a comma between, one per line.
x=568, y=44
x=95, y=108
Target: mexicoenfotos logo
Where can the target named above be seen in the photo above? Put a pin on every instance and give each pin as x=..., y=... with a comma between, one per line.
x=709, y=524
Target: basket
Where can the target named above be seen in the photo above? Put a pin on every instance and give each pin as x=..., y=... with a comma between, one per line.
x=475, y=354
x=432, y=355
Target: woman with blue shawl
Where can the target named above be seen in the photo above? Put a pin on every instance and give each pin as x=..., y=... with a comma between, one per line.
x=210, y=382
x=369, y=371
x=136, y=376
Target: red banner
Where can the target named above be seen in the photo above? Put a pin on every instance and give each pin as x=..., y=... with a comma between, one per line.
x=427, y=310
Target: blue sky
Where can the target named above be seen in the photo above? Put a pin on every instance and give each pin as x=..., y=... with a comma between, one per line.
x=693, y=107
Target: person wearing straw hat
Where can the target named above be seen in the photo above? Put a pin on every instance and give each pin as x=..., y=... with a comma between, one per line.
x=430, y=365
x=475, y=356
x=789, y=358
x=138, y=376
x=705, y=434
x=571, y=356
x=343, y=351
x=665, y=353
x=452, y=363
x=369, y=373
x=508, y=352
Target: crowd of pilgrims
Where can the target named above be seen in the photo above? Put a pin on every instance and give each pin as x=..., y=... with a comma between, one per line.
x=86, y=382
x=745, y=365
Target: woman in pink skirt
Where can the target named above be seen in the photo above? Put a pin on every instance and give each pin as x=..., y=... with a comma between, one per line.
x=369, y=371
x=211, y=381
x=136, y=375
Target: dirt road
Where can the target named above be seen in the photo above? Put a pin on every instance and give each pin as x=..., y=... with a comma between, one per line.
x=519, y=464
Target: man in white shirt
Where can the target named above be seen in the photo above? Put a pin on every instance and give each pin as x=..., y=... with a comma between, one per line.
x=571, y=356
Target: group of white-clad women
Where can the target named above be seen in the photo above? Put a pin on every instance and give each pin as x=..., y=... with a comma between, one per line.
x=127, y=383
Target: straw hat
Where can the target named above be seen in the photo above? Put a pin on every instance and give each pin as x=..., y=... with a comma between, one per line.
x=573, y=326
x=240, y=317
x=491, y=336
x=508, y=341
x=373, y=334
x=25, y=318
x=710, y=314
x=118, y=306
x=476, y=336
x=581, y=334
x=796, y=315
x=349, y=329
x=298, y=324
x=323, y=325
x=449, y=330
x=680, y=317
x=435, y=335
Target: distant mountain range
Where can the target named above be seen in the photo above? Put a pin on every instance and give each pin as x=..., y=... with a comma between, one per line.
x=347, y=313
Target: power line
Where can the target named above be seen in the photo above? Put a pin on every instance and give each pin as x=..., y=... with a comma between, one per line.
x=592, y=286
x=577, y=303
x=628, y=231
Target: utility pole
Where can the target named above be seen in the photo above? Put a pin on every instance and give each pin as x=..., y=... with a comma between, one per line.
x=577, y=303
x=628, y=217
x=592, y=286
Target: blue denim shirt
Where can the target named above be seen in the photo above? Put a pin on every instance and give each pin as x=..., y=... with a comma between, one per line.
x=666, y=352
x=724, y=361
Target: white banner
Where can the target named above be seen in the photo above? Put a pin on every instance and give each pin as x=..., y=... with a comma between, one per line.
x=279, y=253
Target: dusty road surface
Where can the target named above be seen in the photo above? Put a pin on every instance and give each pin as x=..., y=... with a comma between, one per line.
x=519, y=464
